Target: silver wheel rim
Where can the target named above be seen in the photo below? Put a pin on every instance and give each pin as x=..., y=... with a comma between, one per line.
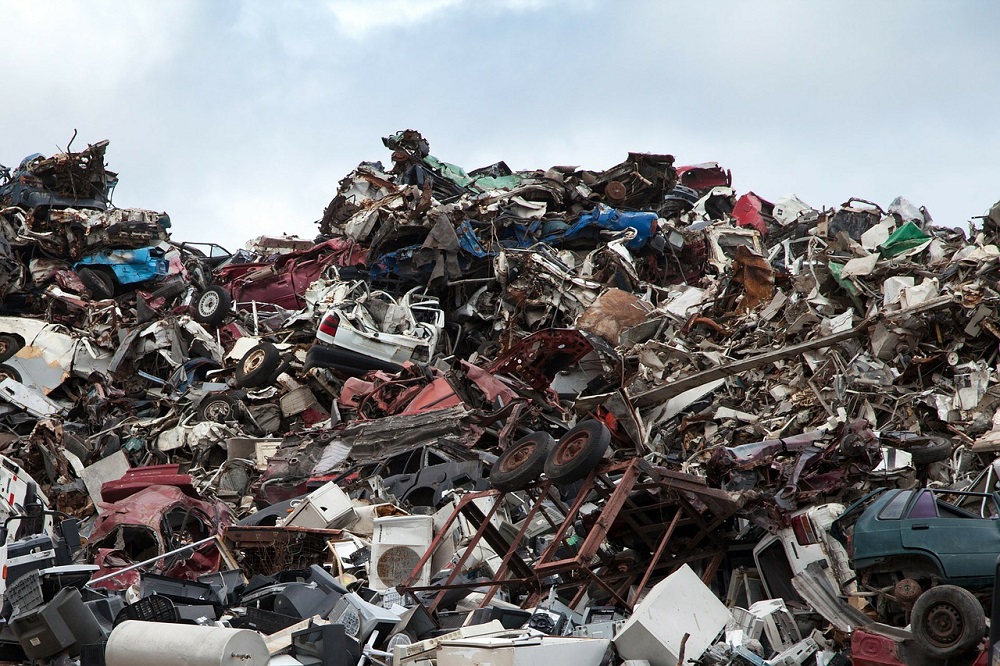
x=218, y=410
x=208, y=303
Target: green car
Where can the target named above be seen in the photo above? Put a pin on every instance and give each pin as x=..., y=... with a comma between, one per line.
x=934, y=535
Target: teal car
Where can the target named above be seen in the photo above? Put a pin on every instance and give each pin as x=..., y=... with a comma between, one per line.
x=932, y=535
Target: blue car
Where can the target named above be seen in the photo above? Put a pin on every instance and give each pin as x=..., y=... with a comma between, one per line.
x=605, y=218
x=104, y=273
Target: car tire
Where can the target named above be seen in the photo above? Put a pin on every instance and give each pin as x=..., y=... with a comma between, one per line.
x=218, y=408
x=947, y=621
x=100, y=284
x=578, y=452
x=8, y=372
x=284, y=366
x=9, y=345
x=212, y=306
x=522, y=462
x=258, y=365
x=929, y=450
x=170, y=290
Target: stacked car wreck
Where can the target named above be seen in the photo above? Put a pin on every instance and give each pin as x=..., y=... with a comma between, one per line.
x=586, y=416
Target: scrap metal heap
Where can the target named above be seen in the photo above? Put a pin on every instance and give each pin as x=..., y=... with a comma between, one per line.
x=589, y=415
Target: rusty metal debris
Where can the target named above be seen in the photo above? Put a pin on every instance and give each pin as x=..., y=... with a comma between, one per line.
x=597, y=416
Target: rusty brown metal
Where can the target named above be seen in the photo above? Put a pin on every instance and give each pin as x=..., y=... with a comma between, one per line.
x=753, y=273
x=615, y=192
x=635, y=498
x=268, y=550
x=613, y=312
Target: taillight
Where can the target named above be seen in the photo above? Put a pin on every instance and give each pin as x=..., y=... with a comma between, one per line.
x=329, y=324
x=850, y=545
x=805, y=533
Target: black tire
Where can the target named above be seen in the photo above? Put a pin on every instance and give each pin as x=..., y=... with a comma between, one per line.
x=929, y=450
x=7, y=371
x=212, y=306
x=522, y=463
x=258, y=365
x=947, y=621
x=284, y=366
x=100, y=284
x=346, y=361
x=218, y=408
x=9, y=345
x=170, y=290
x=578, y=452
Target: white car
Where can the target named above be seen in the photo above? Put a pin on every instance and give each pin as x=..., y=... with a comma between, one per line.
x=375, y=324
x=42, y=356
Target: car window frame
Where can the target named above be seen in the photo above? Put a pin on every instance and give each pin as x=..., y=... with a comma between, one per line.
x=906, y=496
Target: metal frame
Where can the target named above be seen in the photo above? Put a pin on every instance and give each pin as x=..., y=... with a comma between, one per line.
x=678, y=526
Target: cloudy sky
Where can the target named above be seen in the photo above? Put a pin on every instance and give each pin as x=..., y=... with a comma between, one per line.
x=239, y=118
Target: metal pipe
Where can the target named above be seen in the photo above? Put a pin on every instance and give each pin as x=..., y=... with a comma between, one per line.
x=191, y=546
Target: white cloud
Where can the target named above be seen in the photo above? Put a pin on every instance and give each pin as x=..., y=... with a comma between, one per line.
x=240, y=118
x=89, y=48
x=359, y=17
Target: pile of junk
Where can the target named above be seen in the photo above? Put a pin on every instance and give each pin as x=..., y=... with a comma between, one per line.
x=629, y=416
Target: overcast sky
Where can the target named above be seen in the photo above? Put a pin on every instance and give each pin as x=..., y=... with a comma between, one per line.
x=239, y=118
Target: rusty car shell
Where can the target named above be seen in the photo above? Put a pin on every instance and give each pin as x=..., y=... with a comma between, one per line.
x=156, y=520
x=704, y=176
x=537, y=359
x=284, y=281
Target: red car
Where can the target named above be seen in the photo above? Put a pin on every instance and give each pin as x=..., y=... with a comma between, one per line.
x=280, y=283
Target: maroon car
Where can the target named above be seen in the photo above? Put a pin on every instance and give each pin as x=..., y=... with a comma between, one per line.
x=280, y=283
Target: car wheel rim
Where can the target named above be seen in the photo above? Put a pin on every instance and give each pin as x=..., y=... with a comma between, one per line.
x=209, y=303
x=944, y=624
x=571, y=448
x=254, y=361
x=5, y=375
x=4, y=347
x=134, y=384
x=517, y=457
x=218, y=410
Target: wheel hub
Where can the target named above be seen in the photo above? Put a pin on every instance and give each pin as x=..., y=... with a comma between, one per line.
x=219, y=409
x=254, y=361
x=518, y=456
x=208, y=303
x=944, y=624
x=571, y=448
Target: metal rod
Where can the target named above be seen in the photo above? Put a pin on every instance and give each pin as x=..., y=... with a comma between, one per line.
x=191, y=546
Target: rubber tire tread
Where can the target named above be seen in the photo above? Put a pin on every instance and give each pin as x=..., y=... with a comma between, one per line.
x=933, y=451
x=170, y=290
x=100, y=284
x=220, y=313
x=263, y=373
x=11, y=372
x=528, y=471
x=974, y=620
x=203, y=407
x=13, y=346
x=586, y=460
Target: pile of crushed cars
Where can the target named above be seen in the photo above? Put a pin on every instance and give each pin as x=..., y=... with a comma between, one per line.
x=495, y=416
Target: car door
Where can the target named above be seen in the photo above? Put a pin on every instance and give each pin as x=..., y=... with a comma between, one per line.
x=966, y=544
